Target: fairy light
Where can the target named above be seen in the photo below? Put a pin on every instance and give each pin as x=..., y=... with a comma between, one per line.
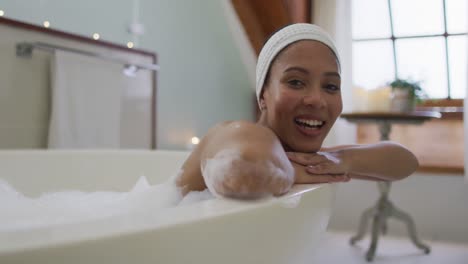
x=130, y=44
x=46, y=24
x=2, y=13
x=96, y=36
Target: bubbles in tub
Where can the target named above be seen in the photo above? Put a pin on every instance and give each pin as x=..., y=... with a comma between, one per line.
x=19, y=212
x=196, y=196
x=217, y=171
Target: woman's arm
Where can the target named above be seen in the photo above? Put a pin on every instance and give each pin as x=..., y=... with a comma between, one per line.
x=386, y=161
x=243, y=160
x=238, y=159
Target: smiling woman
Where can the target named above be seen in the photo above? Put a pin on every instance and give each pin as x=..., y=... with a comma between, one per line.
x=301, y=98
x=298, y=91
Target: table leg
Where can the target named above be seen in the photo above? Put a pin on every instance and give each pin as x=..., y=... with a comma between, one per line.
x=380, y=218
x=363, y=224
x=375, y=236
x=406, y=218
x=380, y=213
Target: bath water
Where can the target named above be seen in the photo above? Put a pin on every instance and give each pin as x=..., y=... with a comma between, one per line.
x=19, y=212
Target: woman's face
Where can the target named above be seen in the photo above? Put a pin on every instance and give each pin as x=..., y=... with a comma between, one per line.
x=302, y=95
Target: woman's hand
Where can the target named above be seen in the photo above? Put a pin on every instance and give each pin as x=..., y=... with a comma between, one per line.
x=318, y=167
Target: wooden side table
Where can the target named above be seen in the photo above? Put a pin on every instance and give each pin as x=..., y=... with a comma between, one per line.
x=384, y=209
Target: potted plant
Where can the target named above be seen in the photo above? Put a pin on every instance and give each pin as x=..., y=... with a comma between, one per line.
x=405, y=95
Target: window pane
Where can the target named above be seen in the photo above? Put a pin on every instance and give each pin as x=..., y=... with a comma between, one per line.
x=457, y=13
x=458, y=70
x=372, y=63
x=423, y=59
x=370, y=19
x=417, y=17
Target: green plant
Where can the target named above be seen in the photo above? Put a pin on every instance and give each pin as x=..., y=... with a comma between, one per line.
x=413, y=87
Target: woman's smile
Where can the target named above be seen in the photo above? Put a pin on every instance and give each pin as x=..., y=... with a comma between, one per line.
x=309, y=126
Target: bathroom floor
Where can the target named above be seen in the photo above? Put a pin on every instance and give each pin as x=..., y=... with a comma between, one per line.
x=391, y=250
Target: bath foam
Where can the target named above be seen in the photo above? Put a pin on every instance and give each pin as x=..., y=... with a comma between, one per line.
x=20, y=212
x=218, y=170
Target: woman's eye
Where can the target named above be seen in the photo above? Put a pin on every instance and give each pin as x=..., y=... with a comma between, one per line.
x=296, y=83
x=332, y=88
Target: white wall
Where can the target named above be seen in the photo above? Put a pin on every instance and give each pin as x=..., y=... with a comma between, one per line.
x=24, y=96
x=333, y=16
x=438, y=204
x=202, y=80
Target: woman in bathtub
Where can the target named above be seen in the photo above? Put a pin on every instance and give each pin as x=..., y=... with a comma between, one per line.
x=299, y=94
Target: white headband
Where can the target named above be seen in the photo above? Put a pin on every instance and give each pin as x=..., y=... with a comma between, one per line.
x=281, y=39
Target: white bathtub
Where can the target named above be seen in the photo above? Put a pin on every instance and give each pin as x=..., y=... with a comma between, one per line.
x=275, y=230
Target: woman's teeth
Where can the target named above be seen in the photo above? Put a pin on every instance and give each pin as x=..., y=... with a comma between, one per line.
x=309, y=123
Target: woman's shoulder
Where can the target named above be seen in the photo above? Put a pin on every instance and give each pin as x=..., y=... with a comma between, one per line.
x=235, y=123
x=240, y=126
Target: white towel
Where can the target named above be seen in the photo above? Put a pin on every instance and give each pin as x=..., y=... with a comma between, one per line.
x=280, y=40
x=86, y=102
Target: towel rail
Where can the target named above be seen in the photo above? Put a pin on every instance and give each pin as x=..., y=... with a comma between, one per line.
x=25, y=50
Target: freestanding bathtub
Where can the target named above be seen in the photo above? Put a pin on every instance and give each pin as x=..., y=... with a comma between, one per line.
x=274, y=230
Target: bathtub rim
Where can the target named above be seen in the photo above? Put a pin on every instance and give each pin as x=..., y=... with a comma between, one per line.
x=229, y=207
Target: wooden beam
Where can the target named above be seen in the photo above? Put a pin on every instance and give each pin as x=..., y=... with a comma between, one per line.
x=262, y=18
x=299, y=10
x=250, y=21
x=272, y=15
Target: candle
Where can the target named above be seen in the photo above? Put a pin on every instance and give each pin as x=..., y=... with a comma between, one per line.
x=373, y=100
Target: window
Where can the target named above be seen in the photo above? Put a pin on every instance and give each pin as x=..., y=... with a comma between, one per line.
x=421, y=40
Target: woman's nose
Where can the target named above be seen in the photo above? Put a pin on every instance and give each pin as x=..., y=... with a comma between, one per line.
x=314, y=98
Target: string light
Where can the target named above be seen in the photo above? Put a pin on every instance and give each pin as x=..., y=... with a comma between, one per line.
x=46, y=24
x=130, y=44
x=96, y=36
x=2, y=13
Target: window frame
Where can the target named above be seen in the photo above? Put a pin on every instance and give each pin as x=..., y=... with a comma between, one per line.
x=449, y=107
